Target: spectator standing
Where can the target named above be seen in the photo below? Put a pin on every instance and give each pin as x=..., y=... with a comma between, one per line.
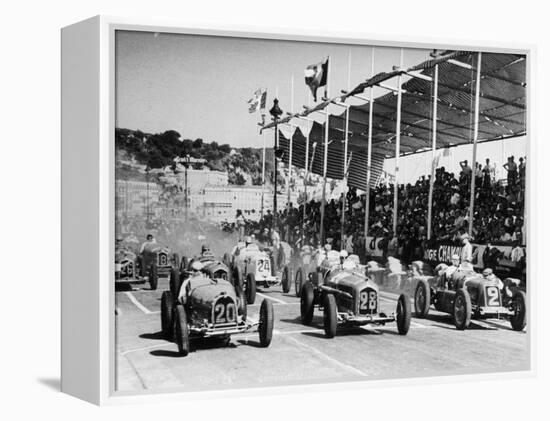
x=512, y=169
x=241, y=223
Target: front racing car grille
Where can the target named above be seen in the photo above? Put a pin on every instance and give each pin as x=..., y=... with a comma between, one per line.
x=368, y=301
x=127, y=268
x=224, y=312
x=162, y=259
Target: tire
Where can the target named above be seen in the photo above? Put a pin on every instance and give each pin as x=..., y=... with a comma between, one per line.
x=166, y=311
x=176, y=260
x=403, y=314
x=242, y=305
x=519, y=319
x=462, y=309
x=153, y=277
x=238, y=281
x=286, y=279
x=250, y=288
x=175, y=283
x=181, y=330
x=299, y=280
x=306, y=303
x=265, y=328
x=422, y=299
x=329, y=315
x=227, y=260
x=183, y=264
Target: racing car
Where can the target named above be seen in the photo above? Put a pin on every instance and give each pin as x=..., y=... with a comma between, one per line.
x=157, y=261
x=467, y=294
x=251, y=266
x=207, y=306
x=126, y=266
x=347, y=297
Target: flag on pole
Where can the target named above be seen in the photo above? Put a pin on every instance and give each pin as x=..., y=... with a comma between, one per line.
x=316, y=75
x=257, y=102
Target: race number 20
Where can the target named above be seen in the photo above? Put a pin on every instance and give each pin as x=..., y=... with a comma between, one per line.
x=224, y=312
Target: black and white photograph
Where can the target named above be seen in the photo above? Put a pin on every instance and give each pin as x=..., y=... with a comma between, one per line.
x=294, y=213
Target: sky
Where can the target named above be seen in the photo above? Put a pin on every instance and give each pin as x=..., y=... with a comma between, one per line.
x=199, y=85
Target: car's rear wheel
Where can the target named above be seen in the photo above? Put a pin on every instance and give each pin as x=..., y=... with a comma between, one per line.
x=242, y=305
x=519, y=319
x=462, y=309
x=181, y=330
x=238, y=281
x=299, y=280
x=306, y=303
x=403, y=314
x=285, y=279
x=176, y=260
x=166, y=310
x=250, y=288
x=265, y=328
x=329, y=315
x=153, y=277
x=183, y=264
x=175, y=282
x=422, y=299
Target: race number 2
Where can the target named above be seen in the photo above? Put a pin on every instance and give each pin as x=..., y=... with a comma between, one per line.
x=492, y=296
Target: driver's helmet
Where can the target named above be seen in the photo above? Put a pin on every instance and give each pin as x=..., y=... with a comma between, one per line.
x=487, y=272
x=343, y=254
x=247, y=240
x=205, y=248
x=196, y=266
x=455, y=259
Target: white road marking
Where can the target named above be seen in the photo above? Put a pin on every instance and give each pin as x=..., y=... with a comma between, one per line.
x=328, y=357
x=271, y=298
x=145, y=348
x=275, y=304
x=137, y=303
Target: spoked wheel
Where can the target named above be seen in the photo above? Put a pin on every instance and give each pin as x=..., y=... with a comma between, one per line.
x=462, y=309
x=285, y=279
x=250, y=289
x=298, y=281
x=403, y=314
x=519, y=319
x=265, y=328
x=166, y=310
x=181, y=330
x=306, y=303
x=329, y=315
x=422, y=299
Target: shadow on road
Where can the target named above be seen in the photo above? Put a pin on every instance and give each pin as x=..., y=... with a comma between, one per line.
x=53, y=383
x=165, y=353
x=156, y=335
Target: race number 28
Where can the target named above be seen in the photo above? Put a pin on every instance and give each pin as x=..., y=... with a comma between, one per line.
x=367, y=300
x=492, y=296
x=224, y=313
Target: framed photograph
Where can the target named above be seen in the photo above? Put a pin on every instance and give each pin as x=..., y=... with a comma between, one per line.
x=247, y=211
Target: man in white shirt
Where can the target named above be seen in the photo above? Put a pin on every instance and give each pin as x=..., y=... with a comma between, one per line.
x=466, y=252
x=150, y=240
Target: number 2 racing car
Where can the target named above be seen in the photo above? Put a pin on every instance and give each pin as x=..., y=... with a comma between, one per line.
x=348, y=297
x=209, y=307
x=466, y=294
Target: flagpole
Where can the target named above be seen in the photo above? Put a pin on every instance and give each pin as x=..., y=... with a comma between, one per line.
x=289, y=175
x=474, y=152
x=434, y=145
x=275, y=217
x=325, y=159
x=306, y=177
x=369, y=152
x=345, y=178
x=263, y=176
x=397, y=144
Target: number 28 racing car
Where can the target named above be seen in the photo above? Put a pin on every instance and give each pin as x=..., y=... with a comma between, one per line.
x=206, y=305
x=348, y=297
x=464, y=294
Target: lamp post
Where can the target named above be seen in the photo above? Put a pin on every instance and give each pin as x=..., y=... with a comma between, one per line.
x=187, y=157
x=147, y=169
x=275, y=112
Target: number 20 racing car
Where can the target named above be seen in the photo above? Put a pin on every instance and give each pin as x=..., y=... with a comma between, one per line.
x=465, y=294
x=209, y=307
x=348, y=297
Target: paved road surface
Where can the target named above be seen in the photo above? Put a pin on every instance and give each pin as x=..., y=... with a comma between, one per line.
x=300, y=354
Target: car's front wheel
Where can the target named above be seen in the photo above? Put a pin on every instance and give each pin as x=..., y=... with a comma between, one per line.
x=265, y=328
x=153, y=277
x=329, y=315
x=462, y=309
x=285, y=279
x=519, y=319
x=298, y=281
x=181, y=330
x=403, y=314
x=250, y=288
x=166, y=311
x=175, y=282
x=306, y=303
x=422, y=299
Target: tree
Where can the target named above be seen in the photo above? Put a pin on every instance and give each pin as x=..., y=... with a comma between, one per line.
x=197, y=143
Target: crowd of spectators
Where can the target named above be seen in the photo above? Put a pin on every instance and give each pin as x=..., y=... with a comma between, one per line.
x=498, y=212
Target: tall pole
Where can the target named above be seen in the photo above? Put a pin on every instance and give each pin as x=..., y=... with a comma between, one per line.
x=325, y=159
x=186, y=195
x=397, y=145
x=289, y=175
x=369, y=151
x=434, y=145
x=305, y=179
x=345, y=178
x=275, y=112
x=263, y=177
x=474, y=157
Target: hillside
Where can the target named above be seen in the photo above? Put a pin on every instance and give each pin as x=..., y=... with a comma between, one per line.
x=244, y=165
